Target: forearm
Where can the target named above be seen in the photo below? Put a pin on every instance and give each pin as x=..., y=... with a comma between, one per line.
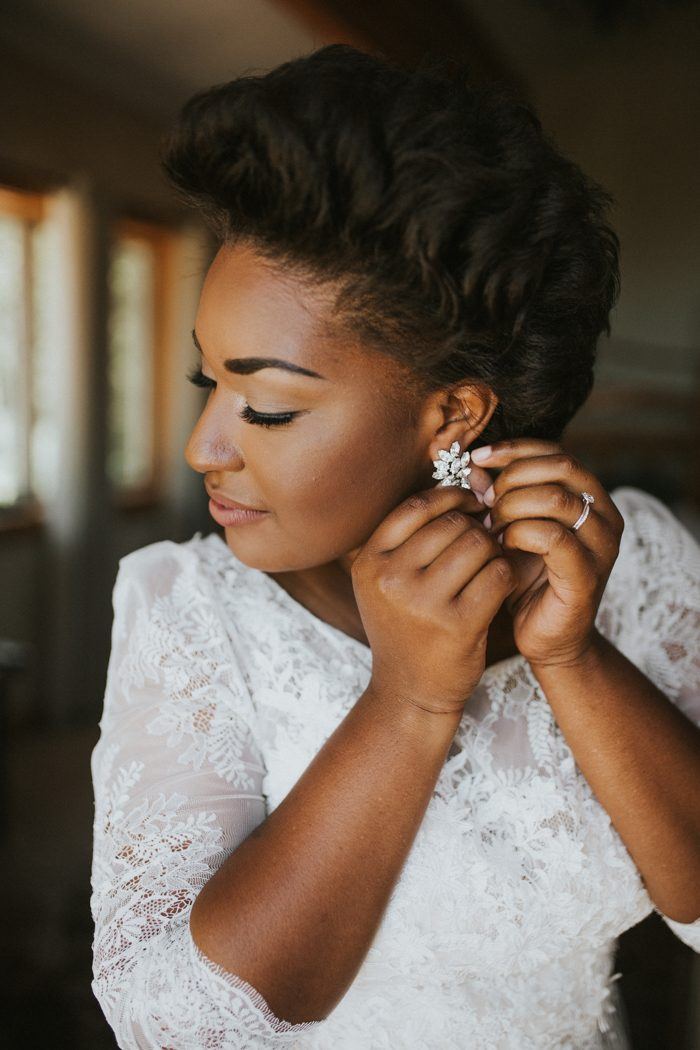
x=641, y=757
x=295, y=907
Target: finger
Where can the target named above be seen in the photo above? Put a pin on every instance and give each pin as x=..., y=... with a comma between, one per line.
x=571, y=567
x=501, y=453
x=557, y=467
x=416, y=511
x=461, y=558
x=422, y=548
x=480, y=480
x=481, y=598
x=558, y=504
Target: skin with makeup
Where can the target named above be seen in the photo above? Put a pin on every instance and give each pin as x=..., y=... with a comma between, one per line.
x=319, y=467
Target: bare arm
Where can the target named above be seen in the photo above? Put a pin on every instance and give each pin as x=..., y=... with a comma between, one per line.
x=295, y=908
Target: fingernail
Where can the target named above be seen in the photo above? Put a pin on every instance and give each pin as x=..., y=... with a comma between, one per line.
x=479, y=495
x=481, y=453
x=487, y=521
x=489, y=496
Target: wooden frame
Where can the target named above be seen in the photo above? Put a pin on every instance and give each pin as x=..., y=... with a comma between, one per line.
x=160, y=239
x=30, y=207
x=23, y=204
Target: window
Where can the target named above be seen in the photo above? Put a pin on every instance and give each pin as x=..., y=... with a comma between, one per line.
x=26, y=446
x=136, y=337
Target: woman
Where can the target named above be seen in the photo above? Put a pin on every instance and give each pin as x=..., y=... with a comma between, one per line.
x=393, y=763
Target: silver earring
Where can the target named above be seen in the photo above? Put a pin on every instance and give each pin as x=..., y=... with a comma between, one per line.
x=452, y=467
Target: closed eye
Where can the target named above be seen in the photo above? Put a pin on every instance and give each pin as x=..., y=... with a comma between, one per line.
x=247, y=413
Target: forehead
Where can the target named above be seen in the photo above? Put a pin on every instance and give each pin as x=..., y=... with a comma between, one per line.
x=249, y=307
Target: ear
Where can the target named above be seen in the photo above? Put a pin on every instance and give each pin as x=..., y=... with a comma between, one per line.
x=460, y=414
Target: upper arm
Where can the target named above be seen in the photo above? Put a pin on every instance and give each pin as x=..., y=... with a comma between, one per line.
x=662, y=577
x=177, y=778
x=663, y=561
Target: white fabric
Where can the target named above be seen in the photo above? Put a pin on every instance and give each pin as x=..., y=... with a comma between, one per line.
x=501, y=929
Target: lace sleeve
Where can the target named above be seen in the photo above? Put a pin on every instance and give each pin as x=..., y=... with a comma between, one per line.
x=666, y=607
x=177, y=780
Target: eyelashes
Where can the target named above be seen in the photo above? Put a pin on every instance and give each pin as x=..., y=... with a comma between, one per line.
x=260, y=419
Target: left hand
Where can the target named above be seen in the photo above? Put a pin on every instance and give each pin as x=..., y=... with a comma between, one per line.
x=562, y=574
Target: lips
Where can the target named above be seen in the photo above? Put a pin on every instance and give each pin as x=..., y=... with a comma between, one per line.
x=231, y=503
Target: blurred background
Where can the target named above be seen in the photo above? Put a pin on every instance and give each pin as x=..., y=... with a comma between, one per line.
x=100, y=271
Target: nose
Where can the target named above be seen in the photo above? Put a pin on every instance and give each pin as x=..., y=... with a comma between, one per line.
x=208, y=450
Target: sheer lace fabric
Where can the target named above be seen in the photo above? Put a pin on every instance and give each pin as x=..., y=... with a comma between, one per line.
x=501, y=929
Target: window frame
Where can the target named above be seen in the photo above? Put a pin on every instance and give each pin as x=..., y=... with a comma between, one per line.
x=160, y=237
x=30, y=206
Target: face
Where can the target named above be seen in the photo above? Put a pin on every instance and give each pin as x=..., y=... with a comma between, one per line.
x=345, y=452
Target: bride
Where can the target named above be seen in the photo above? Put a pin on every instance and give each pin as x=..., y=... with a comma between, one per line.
x=393, y=759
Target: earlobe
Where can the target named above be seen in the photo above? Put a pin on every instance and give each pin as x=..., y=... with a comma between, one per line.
x=454, y=467
x=451, y=466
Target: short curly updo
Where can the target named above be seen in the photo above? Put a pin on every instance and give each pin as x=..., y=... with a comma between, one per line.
x=458, y=238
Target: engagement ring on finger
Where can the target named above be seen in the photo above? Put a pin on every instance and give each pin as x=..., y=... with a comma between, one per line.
x=587, y=500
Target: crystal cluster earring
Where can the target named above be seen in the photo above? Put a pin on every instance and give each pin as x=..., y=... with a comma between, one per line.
x=452, y=467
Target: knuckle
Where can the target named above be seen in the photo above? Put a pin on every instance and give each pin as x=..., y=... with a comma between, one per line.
x=454, y=517
x=503, y=571
x=476, y=538
x=417, y=502
x=464, y=608
x=390, y=582
x=561, y=499
x=570, y=465
x=560, y=535
x=505, y=477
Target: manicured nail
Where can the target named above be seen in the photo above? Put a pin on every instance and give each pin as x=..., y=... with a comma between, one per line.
x=487, y=522
x=479, y=495
x=481, y=453
x=489, y=496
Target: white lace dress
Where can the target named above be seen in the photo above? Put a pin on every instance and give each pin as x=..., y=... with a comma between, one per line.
x=501, y=929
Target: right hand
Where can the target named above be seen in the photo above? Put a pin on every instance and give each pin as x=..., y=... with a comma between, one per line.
x=428, y=582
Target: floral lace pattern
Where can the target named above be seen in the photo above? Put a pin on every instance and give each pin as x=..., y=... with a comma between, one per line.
x=501, y=928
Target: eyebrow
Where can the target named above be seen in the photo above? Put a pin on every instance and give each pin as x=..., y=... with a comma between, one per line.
x=246, y=365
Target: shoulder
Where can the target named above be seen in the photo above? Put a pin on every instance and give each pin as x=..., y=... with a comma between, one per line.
x=166, y=601
x=196, y=588
x=172, y=646
x=654, y=539
x=652, y=608
x=654, y=586
x=640, y=506
x=657, y=558
x=159, y=567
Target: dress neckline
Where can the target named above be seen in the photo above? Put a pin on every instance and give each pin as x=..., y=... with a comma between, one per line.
x=364, y=651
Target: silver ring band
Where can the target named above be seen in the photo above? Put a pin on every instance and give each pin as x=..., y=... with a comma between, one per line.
x=587, y=500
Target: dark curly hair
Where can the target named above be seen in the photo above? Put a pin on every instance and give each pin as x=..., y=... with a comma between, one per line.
x=458, y=238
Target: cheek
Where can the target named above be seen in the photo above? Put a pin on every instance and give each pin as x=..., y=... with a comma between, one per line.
x=329, y=487
x=344, y=487
x=326, y=475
